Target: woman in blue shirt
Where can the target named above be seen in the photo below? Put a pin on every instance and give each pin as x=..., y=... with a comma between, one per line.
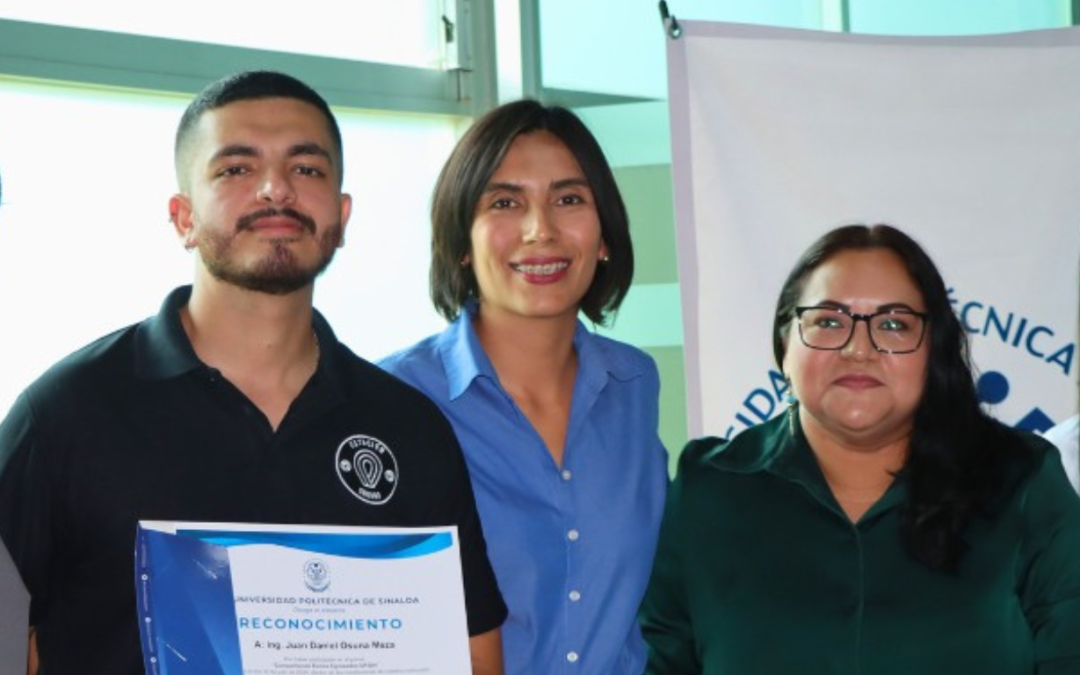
x=558, y=425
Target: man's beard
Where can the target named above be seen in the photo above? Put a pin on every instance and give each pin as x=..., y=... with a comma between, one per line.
x=278, y=272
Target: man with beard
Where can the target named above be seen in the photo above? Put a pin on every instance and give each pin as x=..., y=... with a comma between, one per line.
x=235, y=403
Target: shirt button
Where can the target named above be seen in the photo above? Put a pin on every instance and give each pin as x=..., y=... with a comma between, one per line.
x=572, y=657
x=566, y=475
x=573, y=535
x=575, y=596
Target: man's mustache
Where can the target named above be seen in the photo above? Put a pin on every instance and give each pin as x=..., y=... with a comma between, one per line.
x=246, y=222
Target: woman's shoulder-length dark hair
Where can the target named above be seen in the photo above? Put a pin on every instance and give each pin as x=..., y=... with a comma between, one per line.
x=466, y=175
x=956, y=453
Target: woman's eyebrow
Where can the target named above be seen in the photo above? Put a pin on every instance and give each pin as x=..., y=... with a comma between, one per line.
x=570, y=182
x=508, y=187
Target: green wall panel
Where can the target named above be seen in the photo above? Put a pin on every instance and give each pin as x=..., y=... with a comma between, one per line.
x=648, y=196
x=669, y=360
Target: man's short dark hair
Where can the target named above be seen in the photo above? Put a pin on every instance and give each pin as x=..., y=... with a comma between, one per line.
x=250, y=85
x=466, y=175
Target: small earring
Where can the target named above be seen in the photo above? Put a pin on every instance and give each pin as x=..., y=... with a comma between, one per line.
x=792, y=407
x=464, y=260
x=605, y=258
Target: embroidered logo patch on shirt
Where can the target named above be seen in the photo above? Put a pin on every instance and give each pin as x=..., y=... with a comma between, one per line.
x=368, y=468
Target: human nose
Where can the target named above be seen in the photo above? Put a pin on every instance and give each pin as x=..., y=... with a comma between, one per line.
x=539, y=226
x=275, y=187
x=860, y=345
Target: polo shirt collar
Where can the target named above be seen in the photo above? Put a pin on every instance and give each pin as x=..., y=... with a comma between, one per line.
x=163, y=350
x=464, y=359
x=331, y=364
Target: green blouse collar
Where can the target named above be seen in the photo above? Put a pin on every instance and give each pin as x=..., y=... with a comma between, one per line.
x=780, y=448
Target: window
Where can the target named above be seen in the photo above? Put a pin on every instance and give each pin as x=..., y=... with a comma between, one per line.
x=86, y=246
x=402, y=32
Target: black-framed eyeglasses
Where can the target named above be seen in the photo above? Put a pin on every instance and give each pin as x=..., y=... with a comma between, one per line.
x=894, y=331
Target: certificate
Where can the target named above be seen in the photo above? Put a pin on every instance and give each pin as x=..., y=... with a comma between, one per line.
x=236, y=599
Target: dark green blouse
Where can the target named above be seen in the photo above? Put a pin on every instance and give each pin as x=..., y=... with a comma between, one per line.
x=760, y=572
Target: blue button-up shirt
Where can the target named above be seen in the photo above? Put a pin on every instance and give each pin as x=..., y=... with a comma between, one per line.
x=572, y=545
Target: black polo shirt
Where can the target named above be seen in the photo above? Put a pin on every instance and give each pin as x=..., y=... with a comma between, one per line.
x=135, y=427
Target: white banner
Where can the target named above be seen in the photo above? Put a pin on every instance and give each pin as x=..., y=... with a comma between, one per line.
x=970, y=145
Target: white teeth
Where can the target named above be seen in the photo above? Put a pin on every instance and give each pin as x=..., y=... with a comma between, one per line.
x=547, y=268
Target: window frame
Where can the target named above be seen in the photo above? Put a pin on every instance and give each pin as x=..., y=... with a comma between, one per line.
x=114, y=59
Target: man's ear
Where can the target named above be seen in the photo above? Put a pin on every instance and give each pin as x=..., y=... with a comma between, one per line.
x=346, y=211
x=180, y=216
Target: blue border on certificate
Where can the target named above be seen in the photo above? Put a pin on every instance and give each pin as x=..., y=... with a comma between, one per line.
x=187, y=616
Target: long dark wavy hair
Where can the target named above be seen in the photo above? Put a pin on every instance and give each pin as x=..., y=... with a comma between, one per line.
x=957, y=453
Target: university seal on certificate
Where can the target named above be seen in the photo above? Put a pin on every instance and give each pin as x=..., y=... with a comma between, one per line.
x=237, y=599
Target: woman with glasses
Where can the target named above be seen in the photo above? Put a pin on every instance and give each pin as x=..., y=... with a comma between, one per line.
x=885, y=524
